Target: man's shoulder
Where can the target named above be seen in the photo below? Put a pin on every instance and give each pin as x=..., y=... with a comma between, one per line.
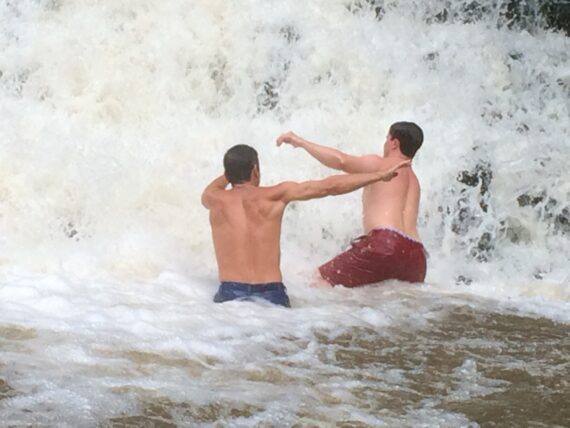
x=414, y=181
x=277, y=193
x=364, y=163
x=391, y=160
x=216, y=199
x=371, y=159
x=276, y=189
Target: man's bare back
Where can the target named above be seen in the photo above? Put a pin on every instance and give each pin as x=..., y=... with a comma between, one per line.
x=246, y=229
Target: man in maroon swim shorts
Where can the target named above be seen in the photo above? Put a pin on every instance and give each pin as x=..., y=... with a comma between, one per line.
x=382, y=254
x=391, y=248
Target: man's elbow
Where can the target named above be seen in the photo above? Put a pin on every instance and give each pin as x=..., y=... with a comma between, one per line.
x=341, y=163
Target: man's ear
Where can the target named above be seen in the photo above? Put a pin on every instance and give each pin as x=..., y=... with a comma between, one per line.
x=255, y=172
x=395, y=144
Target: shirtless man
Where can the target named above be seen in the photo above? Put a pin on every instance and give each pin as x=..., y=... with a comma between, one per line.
x=246, y=222
x=391, y=247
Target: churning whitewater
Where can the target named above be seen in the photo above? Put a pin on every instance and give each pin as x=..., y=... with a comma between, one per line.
x=115, y=115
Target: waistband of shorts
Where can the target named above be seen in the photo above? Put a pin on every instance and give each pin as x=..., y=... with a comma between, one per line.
x=399, y=232
x=244, y=286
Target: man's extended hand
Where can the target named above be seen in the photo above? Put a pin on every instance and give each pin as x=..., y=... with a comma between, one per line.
x=391, y=173
x=289, y=138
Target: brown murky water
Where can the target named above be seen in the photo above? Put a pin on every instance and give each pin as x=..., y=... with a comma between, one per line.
x=481, y=368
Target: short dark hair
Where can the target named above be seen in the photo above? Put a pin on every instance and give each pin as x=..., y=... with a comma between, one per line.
x=410, y=136
x=239, y=162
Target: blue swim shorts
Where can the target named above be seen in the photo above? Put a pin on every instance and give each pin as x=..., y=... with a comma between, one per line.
x=274, y=292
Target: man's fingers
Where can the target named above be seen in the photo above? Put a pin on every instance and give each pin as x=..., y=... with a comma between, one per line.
x=403, y=164
x=284, y=139
x=287, y=138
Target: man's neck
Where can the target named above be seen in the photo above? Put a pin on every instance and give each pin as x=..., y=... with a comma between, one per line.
x=246, y=185
x=397, y=155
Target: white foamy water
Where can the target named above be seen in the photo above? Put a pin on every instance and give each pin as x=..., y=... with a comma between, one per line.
x=115, y=115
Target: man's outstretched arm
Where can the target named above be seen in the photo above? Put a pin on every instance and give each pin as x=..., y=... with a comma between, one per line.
x=331, y=157
x=334, y=185
x=216, y=186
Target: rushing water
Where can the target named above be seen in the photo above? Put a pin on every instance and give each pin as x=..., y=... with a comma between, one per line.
x=115, y=115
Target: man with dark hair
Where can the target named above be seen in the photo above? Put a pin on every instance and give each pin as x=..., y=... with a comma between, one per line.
x=391, y=247
x=246, y=222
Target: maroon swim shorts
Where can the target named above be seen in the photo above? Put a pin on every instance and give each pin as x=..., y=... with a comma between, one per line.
x=382, y=254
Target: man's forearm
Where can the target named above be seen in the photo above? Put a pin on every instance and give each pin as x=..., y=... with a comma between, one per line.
x=340, y=184
x=219, y=183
